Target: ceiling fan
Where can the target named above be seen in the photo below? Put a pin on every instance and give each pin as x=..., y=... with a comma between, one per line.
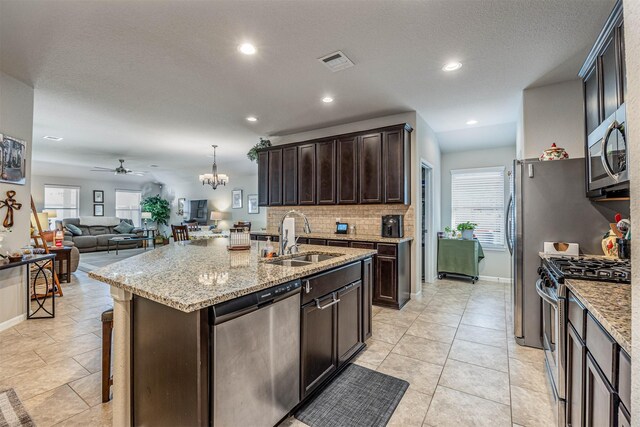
x=120, y=170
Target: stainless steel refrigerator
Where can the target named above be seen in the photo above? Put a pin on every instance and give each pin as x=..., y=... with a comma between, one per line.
x=548, y=203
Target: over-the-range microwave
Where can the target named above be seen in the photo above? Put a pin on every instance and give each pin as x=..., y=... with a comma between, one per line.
x=607, y=157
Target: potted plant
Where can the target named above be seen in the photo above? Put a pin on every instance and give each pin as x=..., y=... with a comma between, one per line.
x=450, y=233
x=253, y=153
x=159, y=208
x=466, y=229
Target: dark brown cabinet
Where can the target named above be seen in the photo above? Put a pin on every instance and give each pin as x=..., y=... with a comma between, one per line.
x=385, y=291
x=347, y=173
x=263, y=178
x=326, y=172
x=371, y=168
x=576, y=360
x=609, y=76
x=395, y=155
x=367, y=281
x=591, y=100
x=319, y=354
x=307, y=174
x=275, y=177
x=349, y=321
x=290, y=176
x=599, y=397
x=364, y=167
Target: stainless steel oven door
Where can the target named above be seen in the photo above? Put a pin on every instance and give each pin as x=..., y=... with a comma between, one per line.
x=607, y=164
x=553, y=335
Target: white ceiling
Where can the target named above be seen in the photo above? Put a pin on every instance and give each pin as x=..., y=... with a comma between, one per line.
x=157, y=82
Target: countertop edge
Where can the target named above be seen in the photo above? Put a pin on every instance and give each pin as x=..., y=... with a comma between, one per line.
x=189, y=308
x=601, y=318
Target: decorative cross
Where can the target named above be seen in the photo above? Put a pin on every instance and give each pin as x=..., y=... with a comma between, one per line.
x=10, y=203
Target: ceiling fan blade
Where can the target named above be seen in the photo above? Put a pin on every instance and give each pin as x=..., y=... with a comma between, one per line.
x=100, y=167
x=137, y=173
x=102, y=170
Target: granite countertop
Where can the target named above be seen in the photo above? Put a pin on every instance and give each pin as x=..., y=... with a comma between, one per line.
x=609, y=303
x=189, y=276
x=334, y=236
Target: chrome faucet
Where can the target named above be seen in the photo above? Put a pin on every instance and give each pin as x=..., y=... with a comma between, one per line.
x=307, y=228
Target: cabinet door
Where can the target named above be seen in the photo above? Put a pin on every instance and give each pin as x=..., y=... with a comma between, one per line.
x=386, y=281
x=307, y=174
x=371, y=168
x=367, y=288
x=326, y=172
x=347, y=164
x=394, y=167
x=263, y=178
x=576, y=359
x=318, y=353
x=275, y=177
x=349, y=321
x=609, y=77
x=290, y=176
x=592, y=100
x=599, y=397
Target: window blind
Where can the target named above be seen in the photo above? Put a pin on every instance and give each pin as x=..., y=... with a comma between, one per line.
x=64, y=200
x=477, y=195
x=128, y=205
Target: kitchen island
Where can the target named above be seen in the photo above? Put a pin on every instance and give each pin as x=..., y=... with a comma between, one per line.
x=173, y=308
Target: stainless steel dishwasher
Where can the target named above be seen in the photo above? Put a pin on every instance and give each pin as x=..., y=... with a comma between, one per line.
x=256, y=357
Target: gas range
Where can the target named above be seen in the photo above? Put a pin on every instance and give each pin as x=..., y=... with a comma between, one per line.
x=585, y=268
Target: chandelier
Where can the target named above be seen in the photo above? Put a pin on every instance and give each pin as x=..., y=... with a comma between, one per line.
x=214, y=179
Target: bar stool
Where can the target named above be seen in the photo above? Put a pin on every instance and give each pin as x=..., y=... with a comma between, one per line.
x=107, y=333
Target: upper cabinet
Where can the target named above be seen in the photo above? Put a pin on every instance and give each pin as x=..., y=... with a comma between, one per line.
x=365, y=167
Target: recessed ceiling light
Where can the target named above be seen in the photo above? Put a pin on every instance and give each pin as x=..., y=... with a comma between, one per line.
x=472, y=122
x=247, y=49
x=327, y=99
x=52, y=138
x=452, y=66
x=252, y=119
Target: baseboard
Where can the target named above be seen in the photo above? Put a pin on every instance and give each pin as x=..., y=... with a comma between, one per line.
x=416, y=294
x=495, y=279
x=12, y=322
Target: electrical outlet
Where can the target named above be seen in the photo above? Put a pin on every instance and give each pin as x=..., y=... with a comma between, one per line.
x=337, y=219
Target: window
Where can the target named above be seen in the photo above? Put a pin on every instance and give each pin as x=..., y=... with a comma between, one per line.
x=128, y=205
x=477, y=195
x=64, y=200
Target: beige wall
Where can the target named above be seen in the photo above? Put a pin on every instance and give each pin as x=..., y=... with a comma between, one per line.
x=497, y=263
x=632, y=45
x=16, y=119
x=552, y=113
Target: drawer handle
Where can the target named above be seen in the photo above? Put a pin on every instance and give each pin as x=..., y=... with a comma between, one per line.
x=333, y=302
x=307, y=287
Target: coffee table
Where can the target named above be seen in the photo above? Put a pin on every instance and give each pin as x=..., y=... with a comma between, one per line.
x=118, y=240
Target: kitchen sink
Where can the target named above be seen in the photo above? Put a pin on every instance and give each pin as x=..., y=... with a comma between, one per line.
x=289, y=263
x=315, y=257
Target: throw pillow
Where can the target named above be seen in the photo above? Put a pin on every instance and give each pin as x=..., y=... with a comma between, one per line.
x=73, y=230
x=123, y=228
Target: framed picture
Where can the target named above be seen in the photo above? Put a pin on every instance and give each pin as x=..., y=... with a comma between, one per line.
x=98, y=210
x=13, y=162
x=252, y=204
x=181, y=203
x=236, y=199
x=98, y=196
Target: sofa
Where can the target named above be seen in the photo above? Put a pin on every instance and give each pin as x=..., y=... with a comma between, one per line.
x=96, y=232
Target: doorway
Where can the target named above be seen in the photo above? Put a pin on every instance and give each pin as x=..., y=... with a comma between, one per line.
x=426, y=222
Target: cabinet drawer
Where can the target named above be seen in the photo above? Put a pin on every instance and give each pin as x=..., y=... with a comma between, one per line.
x=322, y=284
x=321, y=242
x=602, y=347
x=363, y=245
x=338, y=243
x=577, y=314
x=624, y=379
x=384, y=249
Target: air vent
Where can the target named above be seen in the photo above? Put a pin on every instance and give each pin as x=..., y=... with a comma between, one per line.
x=336, y=61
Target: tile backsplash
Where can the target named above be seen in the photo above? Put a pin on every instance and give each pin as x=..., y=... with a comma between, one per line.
x=367, y=218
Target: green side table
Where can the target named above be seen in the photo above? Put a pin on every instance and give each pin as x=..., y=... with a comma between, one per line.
x=459, y=257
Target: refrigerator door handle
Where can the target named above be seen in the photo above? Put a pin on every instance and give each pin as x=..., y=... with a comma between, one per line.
x=507, y=226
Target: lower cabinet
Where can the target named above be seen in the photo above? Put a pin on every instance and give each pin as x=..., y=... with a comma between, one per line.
x=576, y=360
x=349, y=321
x=367, y=300
x=599, y=396
x=319, y=354
x=385, y=291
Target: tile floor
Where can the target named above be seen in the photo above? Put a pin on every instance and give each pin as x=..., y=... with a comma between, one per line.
x=453, y=345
